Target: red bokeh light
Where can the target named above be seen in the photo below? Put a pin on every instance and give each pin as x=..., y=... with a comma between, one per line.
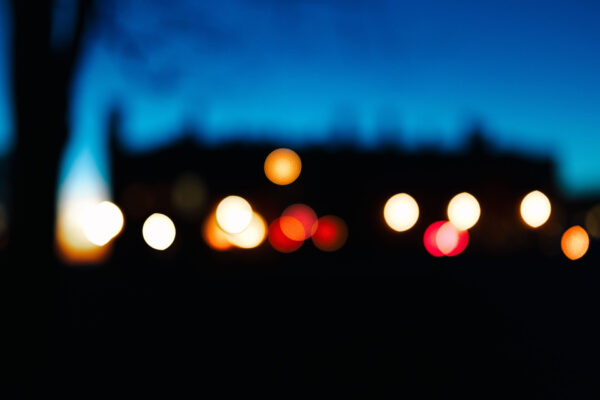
x=280, y=241
x=292, y=228
x=446, y=238
x=429, y=239
x=461, y=243
x=442, y=238
x=331, y=233
x=306, y=216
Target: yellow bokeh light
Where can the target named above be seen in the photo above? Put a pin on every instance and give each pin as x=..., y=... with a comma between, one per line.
x=535, y=209
x=234, y=214
x=401, y=212
x=464, y=211
x=102, y=223
x=283, y=166
x=252, y=236
x=575, y=242
x=158, y=231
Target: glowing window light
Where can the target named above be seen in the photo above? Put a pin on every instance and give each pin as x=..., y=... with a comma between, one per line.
x=429, y=239
x=234, y=214
x=535, y=209
x=575, y=242
x=252, y=236
x=331, y=233
x=592, y=222
x=283, y=166
x=158, y=231
x=307, y=218
x=102, y=223
x=401, y=212
x=280, y=241
x=464, y=211
x=213, y=235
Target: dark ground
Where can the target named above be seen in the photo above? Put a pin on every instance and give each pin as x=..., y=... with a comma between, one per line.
x=367, y=324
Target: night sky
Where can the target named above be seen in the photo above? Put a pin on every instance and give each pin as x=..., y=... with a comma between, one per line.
x=290, y=71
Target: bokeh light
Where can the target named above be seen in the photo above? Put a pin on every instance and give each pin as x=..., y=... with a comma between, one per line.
x=81, y=189
x=442, y=238
x=461, y=244
x=464, y=211
x=283, y=166
x=307, y=218
x=213, y=235
x=331, y=233
x=451, y=241
x=234, y=214
x=72, y=245
x=292, y=228
x=189, y=195
x=280, y=241
x=535, y=209
x=252, y=236
x=102, y=223
x=401, y=212
x=575, y=242
x=430, y=239
x=158, y=231
x=446, y=238
x=592, y=222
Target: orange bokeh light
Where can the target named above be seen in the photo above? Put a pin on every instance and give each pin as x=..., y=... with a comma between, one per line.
x=331, y=233
x=213, y=235
x=283, y=166
x=292, y=228
x=575, y=242
x=279, y=240
x=305, y=216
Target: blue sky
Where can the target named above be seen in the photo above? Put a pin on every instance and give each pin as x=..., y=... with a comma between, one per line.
x=287, y=71
x=5, y=104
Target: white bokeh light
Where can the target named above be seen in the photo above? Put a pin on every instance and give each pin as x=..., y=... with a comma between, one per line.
x=102, y=222
x=252, y=236
x=234, y=214
x=401, y=212
x=158, y=231
x=535, y=209
x=464, y=211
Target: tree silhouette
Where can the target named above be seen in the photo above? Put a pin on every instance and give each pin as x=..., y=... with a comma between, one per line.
x=41, y=81
x=42, y=76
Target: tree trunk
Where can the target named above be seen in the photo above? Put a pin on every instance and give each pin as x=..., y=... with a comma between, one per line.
x=40, y=99
x=41, y=79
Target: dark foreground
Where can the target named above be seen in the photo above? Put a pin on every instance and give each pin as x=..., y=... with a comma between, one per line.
x=373, y=325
